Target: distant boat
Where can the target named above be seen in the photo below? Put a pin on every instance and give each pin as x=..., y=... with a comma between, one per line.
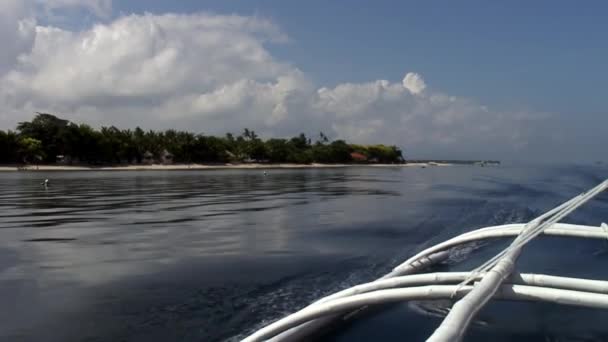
x=492, y=279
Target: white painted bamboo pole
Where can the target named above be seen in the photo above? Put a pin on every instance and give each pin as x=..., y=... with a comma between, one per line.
x=506, y=291
x=536, y=227
x=425, y=259
x=508, y=230
x=458, y=319
x=421, y=263
x=587, y=285
x=301, y=332
x=437, y=253
x=566, y=283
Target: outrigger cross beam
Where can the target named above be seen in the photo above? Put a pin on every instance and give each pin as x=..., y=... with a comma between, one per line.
x=494, y=279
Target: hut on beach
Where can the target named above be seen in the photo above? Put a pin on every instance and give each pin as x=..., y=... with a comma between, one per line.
x=166, y=157
x=148, y=158
x=358, y=157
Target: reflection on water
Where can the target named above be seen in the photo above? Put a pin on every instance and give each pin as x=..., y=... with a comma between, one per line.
x=157, y=256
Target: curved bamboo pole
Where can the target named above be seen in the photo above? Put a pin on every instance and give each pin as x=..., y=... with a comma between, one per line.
x=499, y=268
x=437, y=253
x=505, y=291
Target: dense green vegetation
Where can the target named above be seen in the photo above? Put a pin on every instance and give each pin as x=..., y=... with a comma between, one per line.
x=49, y=139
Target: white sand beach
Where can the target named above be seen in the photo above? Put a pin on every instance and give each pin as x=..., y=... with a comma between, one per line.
x=159, y=167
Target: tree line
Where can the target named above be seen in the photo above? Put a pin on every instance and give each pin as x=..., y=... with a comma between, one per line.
x=49, y=139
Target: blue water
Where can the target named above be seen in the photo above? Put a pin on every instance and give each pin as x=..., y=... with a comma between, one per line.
x=213, y=255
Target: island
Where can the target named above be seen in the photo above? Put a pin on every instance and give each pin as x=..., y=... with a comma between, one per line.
x=48, y=142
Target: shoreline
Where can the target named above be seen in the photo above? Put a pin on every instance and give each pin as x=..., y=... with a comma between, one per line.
x=183, y=167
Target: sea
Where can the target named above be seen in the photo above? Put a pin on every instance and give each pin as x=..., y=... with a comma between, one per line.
x=213, y=255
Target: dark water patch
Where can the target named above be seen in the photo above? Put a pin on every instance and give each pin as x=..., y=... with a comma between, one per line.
x=499, y=188
x=49, y=239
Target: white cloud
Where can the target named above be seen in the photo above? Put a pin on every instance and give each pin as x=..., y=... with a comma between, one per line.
x=214, y=73
x=145, y=56
x=17, y=32
x=414, y=83
x=18, y=20
x=431, y=123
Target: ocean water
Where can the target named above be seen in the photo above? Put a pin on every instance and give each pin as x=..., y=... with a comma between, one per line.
x=213, y=255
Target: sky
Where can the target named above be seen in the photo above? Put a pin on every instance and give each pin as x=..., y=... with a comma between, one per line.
x=513, y=80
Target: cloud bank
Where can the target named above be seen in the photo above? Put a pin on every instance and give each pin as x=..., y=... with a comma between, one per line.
x=215, y=73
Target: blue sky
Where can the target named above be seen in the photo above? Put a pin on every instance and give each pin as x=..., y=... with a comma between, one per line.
x=549, y=55
x=513, y=79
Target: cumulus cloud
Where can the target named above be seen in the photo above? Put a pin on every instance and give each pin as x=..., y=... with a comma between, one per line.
x=146, y=56
x=18, y=19
x=433, y=123
x=414, y=83
x=215, y=73
x=17, y=32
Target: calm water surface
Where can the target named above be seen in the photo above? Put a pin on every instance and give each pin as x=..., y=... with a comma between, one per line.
x=210, y=255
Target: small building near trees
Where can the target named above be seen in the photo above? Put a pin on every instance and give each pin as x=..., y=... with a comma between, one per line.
x=166, y=157
x=148, y=158
x=358, y=157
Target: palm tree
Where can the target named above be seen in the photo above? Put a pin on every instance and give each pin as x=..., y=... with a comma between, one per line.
x=31, y=150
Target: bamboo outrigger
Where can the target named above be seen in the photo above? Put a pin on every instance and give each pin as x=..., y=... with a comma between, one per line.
x=494, y=279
